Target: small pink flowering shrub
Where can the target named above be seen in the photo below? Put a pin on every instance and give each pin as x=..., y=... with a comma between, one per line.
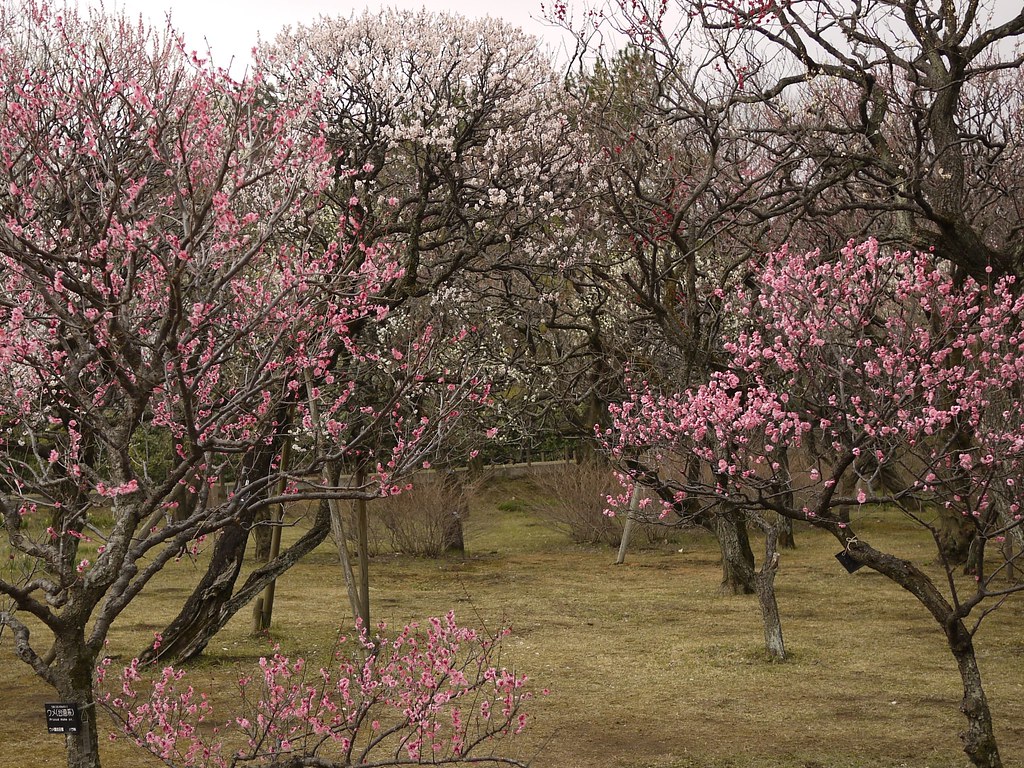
x=424, y=696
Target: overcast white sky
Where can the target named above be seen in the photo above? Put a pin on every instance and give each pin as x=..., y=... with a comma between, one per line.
x=232, y=26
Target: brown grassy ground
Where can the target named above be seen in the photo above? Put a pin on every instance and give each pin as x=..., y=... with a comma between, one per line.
x=647, y=666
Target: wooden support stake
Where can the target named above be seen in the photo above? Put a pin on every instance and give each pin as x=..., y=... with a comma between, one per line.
x=627, y=529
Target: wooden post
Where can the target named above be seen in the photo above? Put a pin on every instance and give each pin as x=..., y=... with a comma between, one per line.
x=257, y=616
x=277, y=520
x=362, y=543
x=359, y=599
x=627, y=529
x=340, y=539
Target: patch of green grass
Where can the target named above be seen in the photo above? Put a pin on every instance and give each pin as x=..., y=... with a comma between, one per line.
x=512, y=505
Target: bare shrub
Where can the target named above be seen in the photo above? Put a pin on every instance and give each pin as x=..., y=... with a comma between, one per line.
x=573, y=499
x=428, y=520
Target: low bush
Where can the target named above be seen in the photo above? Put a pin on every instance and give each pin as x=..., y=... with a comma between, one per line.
x=428, y=520
x=435, y=694
x=574, y=498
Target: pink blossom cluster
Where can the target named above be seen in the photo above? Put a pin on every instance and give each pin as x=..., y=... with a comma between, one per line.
x=173, y=266
x=429, y=695
x=867, y=361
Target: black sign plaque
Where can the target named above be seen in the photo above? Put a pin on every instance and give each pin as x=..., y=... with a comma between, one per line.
x=848, y=562
x=62, y=717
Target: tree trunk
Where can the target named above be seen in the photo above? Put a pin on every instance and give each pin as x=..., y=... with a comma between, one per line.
x=847, y=487
x=784, y=528
x=455, y=535
x=1009, y=565
x=265, y=613
x=764, y=582
x=454, y=529
x=187, y=635
x=200, y=619
x=352, y=585
x=363, y=550
x=979, y=740
x=627, y=529
x=730, y=529
x=955, y=535
x=73, y=676
x=787, y=539
x=263, y=536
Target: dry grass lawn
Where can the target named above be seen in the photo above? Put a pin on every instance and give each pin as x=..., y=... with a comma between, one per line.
x=647, y=666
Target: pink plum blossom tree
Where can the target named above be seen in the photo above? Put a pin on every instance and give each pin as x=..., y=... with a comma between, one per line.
x=726, y=126
x=850, y=368
x=453, y=150
x=160, y=277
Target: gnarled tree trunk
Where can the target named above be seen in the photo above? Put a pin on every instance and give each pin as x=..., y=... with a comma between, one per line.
x=979, y=739
x=764, y=584
x=729, y=527
x=72, y=677
x=187, y=635
x=214, y=601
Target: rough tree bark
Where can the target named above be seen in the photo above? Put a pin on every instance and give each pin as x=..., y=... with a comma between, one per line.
x=725, y=522
x=787, y=539
x=627, y=528
x=262, y=536
x=764, y=584
x=69, y=669
x=978, y=740
x=187, y=636
x=73, y=675
x=730, y=529
x=454, y=533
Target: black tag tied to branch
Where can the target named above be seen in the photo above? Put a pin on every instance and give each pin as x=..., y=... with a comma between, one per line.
x=847, y=561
